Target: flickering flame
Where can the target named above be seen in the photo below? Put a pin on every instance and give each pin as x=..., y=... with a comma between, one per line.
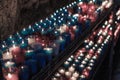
x=8, y=53
x=48, y=49
x=9, y=75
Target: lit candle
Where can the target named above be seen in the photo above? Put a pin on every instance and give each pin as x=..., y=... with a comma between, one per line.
x=30, y=29
x=67, y=36
x=84, y=62
x=91, y=64
x=56, y=33
x=31, y=40
x=54, y=78
x=68, y=74
x=82, y=77
x=48, y=52
x=15, y=50
x=24, y=32
x=62, y=71
x=4, y=47
x=9, y=64
x=108, y=5
x=86, y=73
x=63, y=29
x=58, y=75
x=29, y=54
x=62, y=42
x=56, y=47
x=77, y=62
x=76, y=74
x=70, y=59
x=7, y=55
x=66, y=64
x=24, y=73
x=11, y=76
x=81, y=67
x=23, y=44
x=17, y=53
x=71, y=69
x=43, y=31
x=73, y=78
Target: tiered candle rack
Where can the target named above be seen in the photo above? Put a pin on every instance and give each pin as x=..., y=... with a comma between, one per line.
x=46, y=73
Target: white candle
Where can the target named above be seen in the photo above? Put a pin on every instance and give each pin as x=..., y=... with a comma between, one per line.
x=73, y=78
x=31, y=41
x=71, y=69
x=62, y=71
x=57, y=75
x=54, y=78
x=108, y=5
x=83, y=62
x=76, y=74
x=7, y=55
x=9, y=64
x=68, y=74
x=86, y=59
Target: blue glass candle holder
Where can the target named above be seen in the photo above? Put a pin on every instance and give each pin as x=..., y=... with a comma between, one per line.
x=67, y=36
x=4, y=47
x=98, y=2
x=41, y=60
x=29, y=54
x=24, y=73
x=11, y=40
x=31, y=30
x=55, y=47
x=24, y=44
x=50, y=29
x=37, y=27
x=48, y=53
x=24, y=32
x=37, y=47
x=32, y=64
x=66, y=64
x=62, y=43
x=87, y=23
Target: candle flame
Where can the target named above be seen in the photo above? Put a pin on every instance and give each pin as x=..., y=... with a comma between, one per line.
x=9, y=75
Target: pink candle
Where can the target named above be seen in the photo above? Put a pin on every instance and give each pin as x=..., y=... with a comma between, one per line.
x=84, y=7
x=11, y=76
x=86, y=73
x=72, y=34
x=17, y=54
x=15, y=50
